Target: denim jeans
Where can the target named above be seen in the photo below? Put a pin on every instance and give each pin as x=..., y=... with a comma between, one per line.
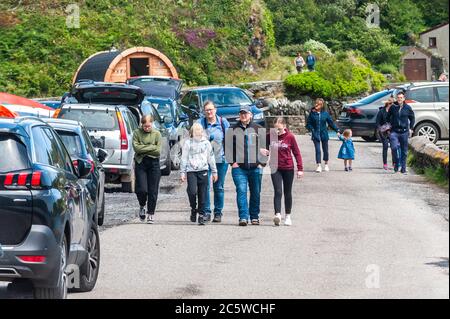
x=326, y=155
x=399, y=145
x=218, y=189
x=244, y=179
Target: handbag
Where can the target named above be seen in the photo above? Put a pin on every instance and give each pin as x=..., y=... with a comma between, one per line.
x=385, y=128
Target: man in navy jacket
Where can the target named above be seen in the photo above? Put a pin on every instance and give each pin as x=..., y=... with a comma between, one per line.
x=401, y=116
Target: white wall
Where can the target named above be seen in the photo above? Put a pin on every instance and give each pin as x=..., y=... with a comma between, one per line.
x=441, y=34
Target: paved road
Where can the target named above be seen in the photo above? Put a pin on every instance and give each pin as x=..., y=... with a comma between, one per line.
x=365, y=234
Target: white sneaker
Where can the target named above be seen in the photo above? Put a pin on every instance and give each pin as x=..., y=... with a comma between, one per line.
x=319, y=169
x=327, y=169
x=150, y=219
x=277, y=219
x=288, y=221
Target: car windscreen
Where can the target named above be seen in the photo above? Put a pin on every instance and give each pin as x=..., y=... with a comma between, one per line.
x=108, y=95
x=17, y=158
x=100, y=120
x=164, y=108
x=376, y=96
x=72, y=142
x=225, y=98
x=157, y=89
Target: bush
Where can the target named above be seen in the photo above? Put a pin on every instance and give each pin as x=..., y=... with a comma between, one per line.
x=310, y=83
x=317, y=47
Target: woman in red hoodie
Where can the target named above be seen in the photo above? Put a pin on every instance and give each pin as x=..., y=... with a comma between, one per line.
x=281, y=145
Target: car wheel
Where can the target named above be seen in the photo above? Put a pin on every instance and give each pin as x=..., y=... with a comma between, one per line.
x=129, y=187
x=369, y=138
x=90, y=269
x=101, y=214
x=60, y=291
x=175, y=155
x=428, y=130
x=168, y=169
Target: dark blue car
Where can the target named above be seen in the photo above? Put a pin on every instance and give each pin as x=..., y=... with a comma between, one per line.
x=228, y=101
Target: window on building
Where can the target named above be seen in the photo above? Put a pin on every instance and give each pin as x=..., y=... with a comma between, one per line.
x=432, y=43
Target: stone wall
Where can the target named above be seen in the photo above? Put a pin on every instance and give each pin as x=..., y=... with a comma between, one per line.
x=427, y=154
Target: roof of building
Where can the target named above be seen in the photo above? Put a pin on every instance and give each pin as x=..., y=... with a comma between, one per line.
x=434, y=28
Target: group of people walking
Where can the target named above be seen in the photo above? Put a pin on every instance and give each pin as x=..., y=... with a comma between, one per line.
x=300, y=62
x=214, y=145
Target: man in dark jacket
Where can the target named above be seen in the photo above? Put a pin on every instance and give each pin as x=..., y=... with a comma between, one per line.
x=242, y=149
x=402, y=118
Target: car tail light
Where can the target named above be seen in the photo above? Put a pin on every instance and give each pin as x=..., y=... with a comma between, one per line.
x=75, y=163
x=352, y=110
x=32, y=259
x=123, y=132
x=410, y=101
x=56, y=114
x=23, y=180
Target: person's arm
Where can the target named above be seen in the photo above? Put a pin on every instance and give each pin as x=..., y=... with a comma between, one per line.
x=309, y=125
x=331, y=123
x=297, y=154
x=184, y=158
x=412, y=119
x=341, y=138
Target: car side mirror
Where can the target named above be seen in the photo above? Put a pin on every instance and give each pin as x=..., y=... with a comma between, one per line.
x=101, y=155
x=84, y=168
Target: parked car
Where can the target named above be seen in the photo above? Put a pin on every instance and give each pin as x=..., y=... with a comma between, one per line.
x=111, y=112
x=158, y=86
x=228, y=101
x=429, y=100
x=78, y=143
x=45, y=227
x=361, y=116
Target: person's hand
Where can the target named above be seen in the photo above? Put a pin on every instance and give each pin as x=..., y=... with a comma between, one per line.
x=183, y=178
x=338, y=134
x=300, y=174
x=411, y=132
x=264, y=152
x=235, y=165
x=215, y=178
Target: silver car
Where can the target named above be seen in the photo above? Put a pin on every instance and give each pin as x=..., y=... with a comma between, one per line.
x=429, y=101
x=111, y=126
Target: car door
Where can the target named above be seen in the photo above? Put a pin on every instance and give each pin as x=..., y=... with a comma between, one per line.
x=421, y=100
x=442, y=108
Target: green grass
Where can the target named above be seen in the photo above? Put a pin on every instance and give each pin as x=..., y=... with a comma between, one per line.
x=436, y=175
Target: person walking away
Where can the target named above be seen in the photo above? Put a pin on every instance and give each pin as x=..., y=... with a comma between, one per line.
x=347, y=150
x=147, y=148
x=311, y=61
x=299, y=63
x=384, y=130
x=215, y=129
x=402, y=118
x=317, y=123
x=243, y=152
x=281, y=145
x=197, y=157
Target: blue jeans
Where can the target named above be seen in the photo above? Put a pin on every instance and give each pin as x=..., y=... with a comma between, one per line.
x=244, y=179
x=326, y=155
x=218, y=188
x=399, y=145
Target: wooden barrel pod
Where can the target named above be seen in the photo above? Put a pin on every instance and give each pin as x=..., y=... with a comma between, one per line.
x=118, y=66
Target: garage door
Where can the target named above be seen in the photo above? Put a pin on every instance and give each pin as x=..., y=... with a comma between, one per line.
x=416, y=69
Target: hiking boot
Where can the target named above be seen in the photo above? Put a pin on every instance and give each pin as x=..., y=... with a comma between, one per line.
x=217, y=218
x=243, y=222
x=350, y=169
x=201, y=220
x=142, y=213
x=385, y=167
x=277, y=219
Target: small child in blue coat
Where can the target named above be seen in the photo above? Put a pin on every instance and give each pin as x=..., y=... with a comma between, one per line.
x=347, y=151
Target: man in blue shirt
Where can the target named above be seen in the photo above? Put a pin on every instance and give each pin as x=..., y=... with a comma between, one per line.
x=310, y=61
x=402, y=118
x=215, y=128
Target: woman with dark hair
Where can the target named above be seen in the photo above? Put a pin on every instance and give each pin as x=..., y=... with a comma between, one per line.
x=281, y=145
x=384, y=127
x=318, y=122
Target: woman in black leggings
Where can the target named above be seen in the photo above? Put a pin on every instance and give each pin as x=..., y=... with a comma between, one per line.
x=281, y=145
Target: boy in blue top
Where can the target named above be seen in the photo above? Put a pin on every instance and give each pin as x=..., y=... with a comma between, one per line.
x=402, y=118
x=215, y=128
x=310, y=61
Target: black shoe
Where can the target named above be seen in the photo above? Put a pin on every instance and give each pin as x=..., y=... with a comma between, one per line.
x=350, y=169
x=201, y=220
x=207, y=218
x=193, y=216
x=142, y=214
x=217, y=218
